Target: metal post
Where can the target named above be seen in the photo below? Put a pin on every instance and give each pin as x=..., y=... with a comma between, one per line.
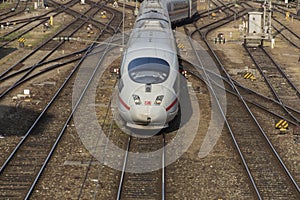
x=136, y=12
x=208, y=7
x=298, y=8
x=264, y=17
x=270, y=19
x=235, y=25
x=267, y=17
x=123, y=38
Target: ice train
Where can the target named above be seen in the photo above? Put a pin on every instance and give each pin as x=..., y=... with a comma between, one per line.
x=148, y=87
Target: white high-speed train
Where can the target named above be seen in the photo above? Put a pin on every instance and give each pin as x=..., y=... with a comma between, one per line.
x=149, y=79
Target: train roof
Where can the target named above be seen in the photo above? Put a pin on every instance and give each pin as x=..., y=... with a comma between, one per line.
x=152, y=37
x=152, y=32
x=155, y=10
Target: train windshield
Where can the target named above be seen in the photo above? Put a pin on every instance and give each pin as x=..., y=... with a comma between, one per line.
x=148, y=70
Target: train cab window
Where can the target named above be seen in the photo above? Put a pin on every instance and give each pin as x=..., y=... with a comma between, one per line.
x=148, y=70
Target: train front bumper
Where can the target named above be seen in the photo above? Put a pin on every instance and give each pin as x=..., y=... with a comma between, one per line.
x=146, y=117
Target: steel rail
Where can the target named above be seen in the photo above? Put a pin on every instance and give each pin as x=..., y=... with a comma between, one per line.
x=71, y=3
x=125, y=162
x=253, y=117
x=74, y=13
x=229, y=19
x=123, y=169
x=287, y=28
x=43, y=59
x=70, y=116
x=283, y=11
x=226, y=20
x=20, y=34
x=47, y=41
x=282, y=72
x=283, y=35
x=110, y=128
x=28, y=22
x=268, y=82
x=163, y=169
x=40, y=116
x=44, y=63
x=245, y=98
x=246, y=89
x=209, y=84
x=14, y=12
x=112, y=41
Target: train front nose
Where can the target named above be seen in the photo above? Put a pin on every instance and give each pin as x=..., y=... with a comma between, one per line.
x=148, y=115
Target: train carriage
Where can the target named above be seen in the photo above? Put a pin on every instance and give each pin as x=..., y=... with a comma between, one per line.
x=148, y=88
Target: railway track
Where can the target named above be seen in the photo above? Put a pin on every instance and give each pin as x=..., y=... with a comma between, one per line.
x=256, y=152
x=18, y=31
x=262, y=160
x=22, y=169
x=146, y=185
x=232, y=14
x=50, y=65
x=287, y=33
x=277, y=80
x=52, y=46
x=15, y=9
x=68, y=30
x=283, y=11
x=96, y=23
x=104, y=98
x=275, y=108
x=292, y=109
x=257, y=160
x=253, y=159
x=32, y=152
x=134, y=180
x=25, y=26
x=207, y=28
x=42, y=138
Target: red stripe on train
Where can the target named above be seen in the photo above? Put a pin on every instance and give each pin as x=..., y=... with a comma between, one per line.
x=171, y=105
x=124, y=104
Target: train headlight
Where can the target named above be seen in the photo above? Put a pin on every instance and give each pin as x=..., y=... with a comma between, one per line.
x=158, y=99
x=136, y=99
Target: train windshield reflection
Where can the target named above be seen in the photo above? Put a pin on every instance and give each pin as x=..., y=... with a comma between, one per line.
x=148, y=70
